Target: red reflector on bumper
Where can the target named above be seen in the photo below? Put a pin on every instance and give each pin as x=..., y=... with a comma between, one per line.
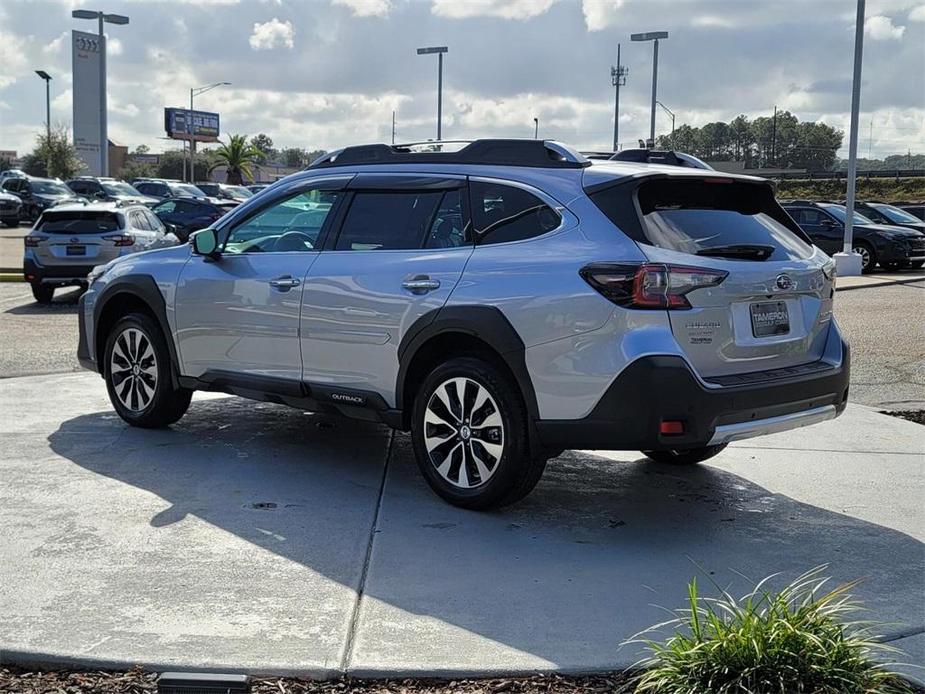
x=671, y=427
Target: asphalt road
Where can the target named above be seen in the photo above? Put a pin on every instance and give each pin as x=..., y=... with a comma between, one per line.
x=884, y=326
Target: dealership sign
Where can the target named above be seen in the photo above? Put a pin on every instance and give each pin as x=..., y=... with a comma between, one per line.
x=204, y=124
x=87, y=51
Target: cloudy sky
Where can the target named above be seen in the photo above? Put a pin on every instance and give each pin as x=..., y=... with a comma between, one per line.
x=325, y=73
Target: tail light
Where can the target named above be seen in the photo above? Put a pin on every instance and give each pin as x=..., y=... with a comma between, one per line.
x=121, y=239
x=649, y=285
x=31, y=241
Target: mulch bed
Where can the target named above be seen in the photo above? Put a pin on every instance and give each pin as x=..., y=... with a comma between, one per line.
x=138, y=681
x=917, y=416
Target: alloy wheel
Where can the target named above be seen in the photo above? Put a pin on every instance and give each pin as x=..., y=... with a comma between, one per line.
x=865, y=256
x=133, y=369
x=463, y=432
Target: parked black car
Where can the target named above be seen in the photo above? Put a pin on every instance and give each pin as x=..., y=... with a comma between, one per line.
x=892, y=247
x=916, y=209
x=225, y=191
x=183, y=216
x=10, y=207
x=882, y=213
x=38, y=194
x=164, y=190
x=109, y=190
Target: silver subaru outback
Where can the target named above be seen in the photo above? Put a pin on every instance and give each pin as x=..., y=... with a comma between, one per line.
x=501, y=300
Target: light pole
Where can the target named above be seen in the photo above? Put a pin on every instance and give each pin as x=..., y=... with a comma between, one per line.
x=618, y=79
x=536, y=128
x=652, y=36
x=848, y=262
x=45, y=76
x=104, y=136
x=439, y=50
x=196, y=91
x=670, y=113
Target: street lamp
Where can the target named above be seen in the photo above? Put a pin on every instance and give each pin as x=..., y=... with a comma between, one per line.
x=670, y=113
x=45, y=76
x=536, y=128
x=652, y=36
x=439, y=50
x=110, y=19
x=196, y=91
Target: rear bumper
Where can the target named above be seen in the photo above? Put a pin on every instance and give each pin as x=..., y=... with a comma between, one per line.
x=55, y=275
x=657, y=388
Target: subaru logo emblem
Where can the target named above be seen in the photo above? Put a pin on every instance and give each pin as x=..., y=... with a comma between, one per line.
x=74, y=239
x=784, y=282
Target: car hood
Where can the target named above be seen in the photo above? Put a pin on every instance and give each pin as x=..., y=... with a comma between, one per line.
x=6, y=197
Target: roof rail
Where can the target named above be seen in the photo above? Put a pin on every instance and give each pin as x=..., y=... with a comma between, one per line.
x=547, y=154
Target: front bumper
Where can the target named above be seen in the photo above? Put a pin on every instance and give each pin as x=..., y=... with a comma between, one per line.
x=663, y=388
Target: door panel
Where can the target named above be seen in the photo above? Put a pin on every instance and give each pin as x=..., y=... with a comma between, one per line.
x=230, y=318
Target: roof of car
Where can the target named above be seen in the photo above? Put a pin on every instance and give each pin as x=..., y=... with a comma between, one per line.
x=95, y=207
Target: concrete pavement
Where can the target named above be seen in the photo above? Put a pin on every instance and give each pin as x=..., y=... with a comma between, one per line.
x=260, y=538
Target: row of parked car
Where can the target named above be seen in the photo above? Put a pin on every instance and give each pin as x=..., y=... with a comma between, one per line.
x=182, y=207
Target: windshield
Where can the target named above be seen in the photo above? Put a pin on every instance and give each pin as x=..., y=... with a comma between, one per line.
x=839, y=212
x=118, y=188
x=186, y=190
x=50, y=188
x=894, y=214
x=239, y=191
x=208, y=188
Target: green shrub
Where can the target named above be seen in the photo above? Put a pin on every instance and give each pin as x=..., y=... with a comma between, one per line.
x=787, y=642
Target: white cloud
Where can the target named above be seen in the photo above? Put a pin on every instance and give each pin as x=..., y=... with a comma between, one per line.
x=709, y=20
x=272, y=34
x=366, y=8
x=600, y=14
x=917, y=14
x=505, y=9
x=113, y=46
x=881, y=28
x=12, y=58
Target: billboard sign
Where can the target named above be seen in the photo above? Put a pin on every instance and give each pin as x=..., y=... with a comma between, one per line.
x=87, y=52
x=177, y=124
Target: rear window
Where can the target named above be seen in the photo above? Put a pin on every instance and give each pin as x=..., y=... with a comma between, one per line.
x=729, y=219
x=79, y=222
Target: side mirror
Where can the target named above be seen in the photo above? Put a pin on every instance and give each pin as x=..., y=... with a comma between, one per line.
x=831, y=223
x=205, y=243
x=99, y=195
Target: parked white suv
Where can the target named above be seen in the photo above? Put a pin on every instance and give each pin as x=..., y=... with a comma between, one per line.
x=502, y=301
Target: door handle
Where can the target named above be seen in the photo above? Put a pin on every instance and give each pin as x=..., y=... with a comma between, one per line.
x=284, y=283
x=421, y=284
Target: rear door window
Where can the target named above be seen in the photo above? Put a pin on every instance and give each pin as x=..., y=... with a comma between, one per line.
x=502, y=213
x=715, y=218
x=389, y=221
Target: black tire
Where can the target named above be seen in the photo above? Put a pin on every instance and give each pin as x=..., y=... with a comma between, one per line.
x=916, y=264
x=868, y=256
x=512, y=471
x=147, y=405
x=42, y=293
x=892, y=267
x=688, y=456
x=11, y=223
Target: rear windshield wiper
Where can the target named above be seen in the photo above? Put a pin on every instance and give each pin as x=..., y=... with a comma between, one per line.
x=745, y=251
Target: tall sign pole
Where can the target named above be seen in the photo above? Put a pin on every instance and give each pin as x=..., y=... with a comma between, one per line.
x=853, y=131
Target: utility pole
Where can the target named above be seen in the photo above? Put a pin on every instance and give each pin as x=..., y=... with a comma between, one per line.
x=774, y=138
x=536, y=128
x=393, y=127
x=617, y=79
x=847, y=262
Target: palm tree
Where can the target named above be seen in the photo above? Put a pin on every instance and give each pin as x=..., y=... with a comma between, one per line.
x=239, y=157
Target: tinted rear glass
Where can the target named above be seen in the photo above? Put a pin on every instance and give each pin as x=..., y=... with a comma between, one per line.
x=79, y=222
x=713, y=218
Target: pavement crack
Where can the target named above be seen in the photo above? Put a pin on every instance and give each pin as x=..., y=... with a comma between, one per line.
x=361, y=589
x=904, y=634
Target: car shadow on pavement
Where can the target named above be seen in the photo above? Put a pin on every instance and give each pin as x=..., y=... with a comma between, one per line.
x=565, y=576
x=63, y=302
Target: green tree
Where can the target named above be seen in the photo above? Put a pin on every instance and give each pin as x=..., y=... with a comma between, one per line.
x=54, y=155
x=738, y=133
x=239, y=157
x=173, y=164
x=293, y=157
x=265, y=144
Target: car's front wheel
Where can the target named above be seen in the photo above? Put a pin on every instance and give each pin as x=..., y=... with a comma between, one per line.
x=868, y=256
x=685, y=456
x=138, y=374
x=470, y=435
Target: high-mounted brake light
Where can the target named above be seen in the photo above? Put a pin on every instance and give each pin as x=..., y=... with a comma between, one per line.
x=121, y=239
x=649, y=285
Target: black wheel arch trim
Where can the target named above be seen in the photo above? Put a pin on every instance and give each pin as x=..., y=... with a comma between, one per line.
x=144, y=288
x=488, y=324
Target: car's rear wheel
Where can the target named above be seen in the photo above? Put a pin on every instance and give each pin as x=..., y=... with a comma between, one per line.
x=469, y=431
x=138, y=374
x=685, y=456
x=892, y=267
x=11, y=223
x=42, y=292
x=916, y=264
x=868, y=256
